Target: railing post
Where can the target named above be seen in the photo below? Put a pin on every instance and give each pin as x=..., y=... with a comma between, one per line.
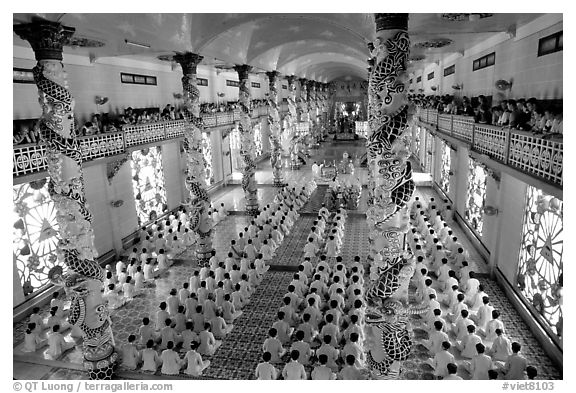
x=473, y=135
x=507, y=146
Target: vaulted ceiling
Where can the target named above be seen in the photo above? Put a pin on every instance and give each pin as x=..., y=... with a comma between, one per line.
x=322, y=47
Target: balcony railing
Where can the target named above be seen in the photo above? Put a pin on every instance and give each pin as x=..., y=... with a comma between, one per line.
x=28, y=158
x=97, y=146
x=31, y=158
x=522, y=150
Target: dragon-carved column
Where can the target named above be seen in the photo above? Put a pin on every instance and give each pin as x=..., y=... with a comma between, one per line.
x=199, y=205
x=275, y=130
x=247, y=145
x=393, y=187
x=311, y=98
x=83, y=279
x=303, y=114
x=325, y=110
x=291, y=120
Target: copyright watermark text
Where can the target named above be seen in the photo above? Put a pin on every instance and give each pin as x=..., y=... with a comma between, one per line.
x=89, y=386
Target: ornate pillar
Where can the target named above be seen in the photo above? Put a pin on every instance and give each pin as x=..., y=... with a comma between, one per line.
x=248, y=147
x=303, y=115
x=324, y=104
x=83, y=279
x=312, y=112
x=275, y=130
x=291, y=120
x=393, y=187
x=199, y=205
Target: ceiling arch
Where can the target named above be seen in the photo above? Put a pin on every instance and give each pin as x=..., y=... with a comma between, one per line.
x=278, y=56
x=275, y=41
x=298, y=65
x=268, y=41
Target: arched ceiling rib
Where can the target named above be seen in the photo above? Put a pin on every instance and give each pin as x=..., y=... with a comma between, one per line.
x=273, y=41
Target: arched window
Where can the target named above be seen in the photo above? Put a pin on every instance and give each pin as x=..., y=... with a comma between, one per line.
x=476, y=196
x=148, y=184
x=207, y=152
x=445, y=169
x=540, y=268
x=258, y=139
x=34, y=234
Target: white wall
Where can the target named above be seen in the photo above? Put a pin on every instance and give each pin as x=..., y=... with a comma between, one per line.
x=511, y=213
x=173, y=174
x=99, y=205
x=516, y=58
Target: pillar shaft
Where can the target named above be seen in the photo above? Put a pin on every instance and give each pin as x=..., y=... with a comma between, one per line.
x=291, y=120
x=392, y=184
x=83, y=279
x=275, y=130
x=248, y=147
x=199, y=205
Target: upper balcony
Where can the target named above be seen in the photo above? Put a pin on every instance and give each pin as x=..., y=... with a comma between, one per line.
x=30, y=158
x=525, y=151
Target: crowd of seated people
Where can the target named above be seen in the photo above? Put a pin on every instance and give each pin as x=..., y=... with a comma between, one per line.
x=25, y=131
x=522, y=114
x=464, y=329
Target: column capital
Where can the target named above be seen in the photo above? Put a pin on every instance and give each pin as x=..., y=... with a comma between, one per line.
x=188, y=61
x=311, y=84
x=391, y=21
x=272, y=76
x=243, y=70
x=46, y=38
x=291, y=79
x=302, y=81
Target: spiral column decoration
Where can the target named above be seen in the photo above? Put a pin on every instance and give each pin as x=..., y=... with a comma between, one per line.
x=325, y=110
x=313, y=120
x=303, y=114
x=275, y=130
x=247, y=145
x=199, y=205
x=291, y=120
x=392, y=189
x=83, y=279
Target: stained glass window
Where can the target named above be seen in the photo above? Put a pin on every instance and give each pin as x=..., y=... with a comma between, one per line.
x=237, y=160
x=34, y=234
x=417, y=143
x=429, y=147
x=445, y=169
x=476, y=196
x=540, y=269
x=207, y=152
x=148, y=183
x=258, y=139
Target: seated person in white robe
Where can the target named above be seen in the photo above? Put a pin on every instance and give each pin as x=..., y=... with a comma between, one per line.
x=171, y=362
x=150, y=357
x=56, y=343
x=32, y=340
x=208, y=344
x=194, y=363
x=131, y=356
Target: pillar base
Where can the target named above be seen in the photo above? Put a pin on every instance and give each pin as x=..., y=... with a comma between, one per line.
x=252, y=210
x=279, y=182
x=203, y=258
x=100, y=362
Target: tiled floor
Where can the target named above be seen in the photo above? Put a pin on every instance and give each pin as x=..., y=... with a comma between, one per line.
x=241, y=349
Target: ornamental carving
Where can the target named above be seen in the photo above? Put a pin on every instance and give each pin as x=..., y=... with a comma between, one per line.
x=83, y=279
x=391, y=187
x=199, y=204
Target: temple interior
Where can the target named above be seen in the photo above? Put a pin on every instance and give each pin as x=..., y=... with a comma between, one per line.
x=353, y=172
